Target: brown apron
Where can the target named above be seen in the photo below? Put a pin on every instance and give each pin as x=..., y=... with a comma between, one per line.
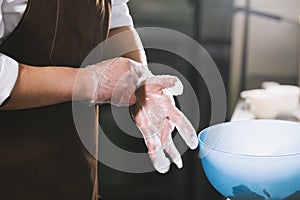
x=41, y=155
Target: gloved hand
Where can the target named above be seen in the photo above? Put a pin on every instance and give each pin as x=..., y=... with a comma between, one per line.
x=111, y=81
x=156, y=116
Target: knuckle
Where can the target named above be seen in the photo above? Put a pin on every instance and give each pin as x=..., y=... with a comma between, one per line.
x=124, y=61
x=125, y=64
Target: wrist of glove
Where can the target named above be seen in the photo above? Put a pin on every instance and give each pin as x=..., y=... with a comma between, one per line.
x=156, y=116
x=111, y=81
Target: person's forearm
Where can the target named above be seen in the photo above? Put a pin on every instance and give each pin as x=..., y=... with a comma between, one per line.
x=42, y=86
x=137, y=55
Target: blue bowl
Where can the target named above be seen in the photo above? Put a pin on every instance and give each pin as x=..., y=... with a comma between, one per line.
x=253, y=160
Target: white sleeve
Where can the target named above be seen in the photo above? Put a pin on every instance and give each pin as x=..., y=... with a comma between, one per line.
x=1, y=22
x=9, y=70
x=120, y=15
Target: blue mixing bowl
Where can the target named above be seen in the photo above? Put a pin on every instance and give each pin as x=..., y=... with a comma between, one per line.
x=253, y=160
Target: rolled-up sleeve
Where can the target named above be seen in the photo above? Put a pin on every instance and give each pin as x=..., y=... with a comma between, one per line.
x=120, y=15
x=9, y=69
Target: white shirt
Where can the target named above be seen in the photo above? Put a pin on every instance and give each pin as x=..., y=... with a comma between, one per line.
x=11, y=14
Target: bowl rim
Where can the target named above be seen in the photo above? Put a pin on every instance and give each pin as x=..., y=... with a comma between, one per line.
x=243, y=122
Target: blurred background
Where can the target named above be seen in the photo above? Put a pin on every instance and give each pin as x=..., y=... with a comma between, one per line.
x=249, y=40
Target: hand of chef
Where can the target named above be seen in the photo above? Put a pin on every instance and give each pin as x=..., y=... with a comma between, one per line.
x=156, y=116
x=111, y=81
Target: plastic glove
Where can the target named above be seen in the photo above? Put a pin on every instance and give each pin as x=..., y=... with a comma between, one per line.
x=156, y=116
x=112, y=81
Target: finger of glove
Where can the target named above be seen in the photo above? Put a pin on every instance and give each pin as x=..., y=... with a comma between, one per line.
x=175, y=90
x=141, y=117
x=166, y=132
x=168, y=144
x=153, y=142
x=160, y=162
x=156, y=153
x=174, y=154
x=148, y=130
x=151, y=138
x=184, y=126
x=160, y=82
